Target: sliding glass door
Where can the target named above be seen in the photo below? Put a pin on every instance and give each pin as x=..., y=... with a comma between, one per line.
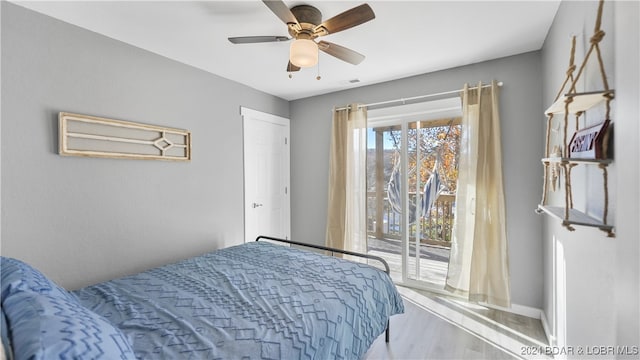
x=411, y=183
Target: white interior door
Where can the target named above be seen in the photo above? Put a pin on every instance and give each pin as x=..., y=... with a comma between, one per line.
x=266, y=175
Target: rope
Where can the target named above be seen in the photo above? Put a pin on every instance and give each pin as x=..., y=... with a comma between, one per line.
x=567, y=101
x=544, y=184
x=570, y=69
x=573, y=55
x=606, y=193
x=546, y=163
x=571, y=166
x=596, y=29
x=568, y=195
x=547, y=140
x=602, y=73
x=578, y=114
x=569, y=76
x=567, y=189
x=608, y=96
x=598, y=35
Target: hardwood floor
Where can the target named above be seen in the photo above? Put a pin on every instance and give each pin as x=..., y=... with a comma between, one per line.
x=437, y=327
x=432, y=271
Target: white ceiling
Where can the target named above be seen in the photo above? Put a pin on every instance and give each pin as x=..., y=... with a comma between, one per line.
x=406, y=38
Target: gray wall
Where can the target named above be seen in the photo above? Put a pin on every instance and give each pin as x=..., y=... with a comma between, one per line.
x=627, y=83
x=520, y=113
x=591, y=282
x=83, y=220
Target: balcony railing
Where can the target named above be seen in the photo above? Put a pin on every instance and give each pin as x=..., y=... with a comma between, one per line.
x=435, y=229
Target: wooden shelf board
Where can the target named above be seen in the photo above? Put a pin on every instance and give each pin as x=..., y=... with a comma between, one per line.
x=576, y=217
x=577, y=160
x=581, y=102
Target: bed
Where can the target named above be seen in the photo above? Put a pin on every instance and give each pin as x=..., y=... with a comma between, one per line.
x=257, y=300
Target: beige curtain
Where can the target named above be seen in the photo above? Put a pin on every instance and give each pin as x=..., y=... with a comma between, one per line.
x=346, y=212
x=479, y=266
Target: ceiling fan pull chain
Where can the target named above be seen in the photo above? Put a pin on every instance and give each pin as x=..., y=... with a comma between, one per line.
x=318, y=77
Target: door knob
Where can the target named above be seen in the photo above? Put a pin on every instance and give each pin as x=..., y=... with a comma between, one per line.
x=254, y=205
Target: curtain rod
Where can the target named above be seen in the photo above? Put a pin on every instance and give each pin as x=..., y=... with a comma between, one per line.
x=500, y=83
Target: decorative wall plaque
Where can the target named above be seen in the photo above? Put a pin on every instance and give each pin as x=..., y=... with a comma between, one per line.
x=84, y=135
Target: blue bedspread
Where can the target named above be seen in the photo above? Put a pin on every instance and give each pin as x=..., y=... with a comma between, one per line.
x=256, y=300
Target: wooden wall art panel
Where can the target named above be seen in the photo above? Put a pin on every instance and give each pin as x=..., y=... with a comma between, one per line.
x=84, y=135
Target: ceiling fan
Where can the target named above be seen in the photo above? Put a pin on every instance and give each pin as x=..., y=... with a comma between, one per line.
x=304, y=23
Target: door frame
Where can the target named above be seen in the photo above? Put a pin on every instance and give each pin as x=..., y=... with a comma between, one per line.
x=255, y=115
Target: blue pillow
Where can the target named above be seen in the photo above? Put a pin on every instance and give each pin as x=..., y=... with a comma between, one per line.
x=18, y=275
x=47, y=322
x=4, y=333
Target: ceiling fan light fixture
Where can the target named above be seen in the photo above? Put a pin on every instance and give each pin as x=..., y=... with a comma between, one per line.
x=303, y=53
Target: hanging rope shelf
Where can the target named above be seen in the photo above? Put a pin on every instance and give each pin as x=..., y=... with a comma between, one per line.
x=559, y=160
x=579, y=102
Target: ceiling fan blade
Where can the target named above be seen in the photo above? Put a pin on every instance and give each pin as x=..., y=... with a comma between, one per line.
x=341, y=52
x=292, y=68
x=281, y=10
x=257, y=39
x=348, y=19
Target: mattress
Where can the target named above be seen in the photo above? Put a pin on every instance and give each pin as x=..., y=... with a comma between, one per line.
x=256, y=301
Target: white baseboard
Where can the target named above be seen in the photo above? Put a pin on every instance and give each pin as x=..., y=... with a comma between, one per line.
x=523, y=310
x=551, y=339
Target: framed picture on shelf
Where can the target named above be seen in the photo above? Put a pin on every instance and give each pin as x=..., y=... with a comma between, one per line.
x=591, y=142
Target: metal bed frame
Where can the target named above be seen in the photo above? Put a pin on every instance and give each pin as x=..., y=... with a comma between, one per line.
x=333, y=251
